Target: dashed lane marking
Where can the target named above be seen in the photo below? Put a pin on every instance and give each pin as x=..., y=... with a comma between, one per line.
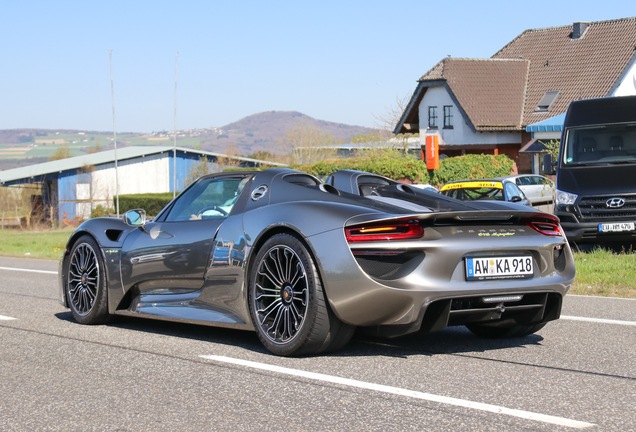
x=28, y=270
x=599, y=320
x=404, y=392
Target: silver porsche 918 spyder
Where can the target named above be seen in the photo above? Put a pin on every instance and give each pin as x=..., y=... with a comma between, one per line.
x=305, y=263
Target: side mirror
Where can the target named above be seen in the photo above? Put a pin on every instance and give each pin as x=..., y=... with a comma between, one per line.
x=134, y=218
x=515, y=199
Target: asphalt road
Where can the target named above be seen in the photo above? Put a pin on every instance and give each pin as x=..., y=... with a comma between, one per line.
x=139, y=375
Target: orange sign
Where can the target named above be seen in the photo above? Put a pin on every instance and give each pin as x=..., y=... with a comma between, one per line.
x=432, y=152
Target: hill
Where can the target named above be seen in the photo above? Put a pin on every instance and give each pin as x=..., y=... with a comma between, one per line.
x=264, y=131
x=267, y=131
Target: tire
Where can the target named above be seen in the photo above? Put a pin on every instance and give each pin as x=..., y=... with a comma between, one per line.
x=85, y=283
x=287, y=303
x=492, y=331
x=339, y=337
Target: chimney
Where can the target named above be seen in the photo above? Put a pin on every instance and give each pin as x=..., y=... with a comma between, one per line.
x=578, y=29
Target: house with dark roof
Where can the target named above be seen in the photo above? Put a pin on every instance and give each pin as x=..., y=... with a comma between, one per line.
x=487, y=105
x=69, y=189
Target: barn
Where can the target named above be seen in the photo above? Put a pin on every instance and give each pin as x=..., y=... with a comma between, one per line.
x=70, y=189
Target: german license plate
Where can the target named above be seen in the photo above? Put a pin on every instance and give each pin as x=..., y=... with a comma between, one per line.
x=616, y=227
x=506, y=267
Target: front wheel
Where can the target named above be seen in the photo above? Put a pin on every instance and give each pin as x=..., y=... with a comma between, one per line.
x=493, y=331
x=287, y=303
x=85, y=286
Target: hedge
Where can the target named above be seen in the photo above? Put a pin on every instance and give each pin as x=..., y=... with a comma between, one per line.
x=397, y=165
x=151, y=203
x=472, y=166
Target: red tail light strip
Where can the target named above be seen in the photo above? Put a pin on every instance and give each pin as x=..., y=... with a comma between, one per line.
x=547, y=226
x=397, y=230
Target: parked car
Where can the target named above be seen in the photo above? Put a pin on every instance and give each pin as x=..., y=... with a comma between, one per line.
x=305, y=263
x=485, y=189
x=426, y=186
x=538, y=189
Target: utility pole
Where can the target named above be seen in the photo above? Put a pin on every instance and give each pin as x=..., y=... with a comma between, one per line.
x=174, y=129
x=112, y=97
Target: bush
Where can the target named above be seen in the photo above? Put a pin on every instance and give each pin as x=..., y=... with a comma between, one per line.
x=151, y=203
x=101, y=211
x=472, y=166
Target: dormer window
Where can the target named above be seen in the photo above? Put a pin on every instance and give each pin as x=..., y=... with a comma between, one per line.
x=547, y=101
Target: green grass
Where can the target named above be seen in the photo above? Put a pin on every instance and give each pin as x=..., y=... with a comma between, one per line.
x=33, y=244
x=605, y=273
x=599, y=272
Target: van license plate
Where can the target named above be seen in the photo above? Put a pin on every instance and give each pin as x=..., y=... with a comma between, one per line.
x=616, y=227
x=511, y=267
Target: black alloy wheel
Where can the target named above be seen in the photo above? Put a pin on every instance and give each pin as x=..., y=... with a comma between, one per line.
x=85, y=283
x=287, y=302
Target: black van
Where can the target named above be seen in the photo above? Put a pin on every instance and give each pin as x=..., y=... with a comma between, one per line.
x=596, y=171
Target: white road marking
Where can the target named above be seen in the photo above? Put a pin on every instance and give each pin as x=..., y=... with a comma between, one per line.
x=602, y=297
x=599, y=320
x=404, y=392
x=6, y=318
x=29, y=270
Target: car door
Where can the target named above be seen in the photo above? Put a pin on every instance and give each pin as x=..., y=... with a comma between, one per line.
x=171, y=254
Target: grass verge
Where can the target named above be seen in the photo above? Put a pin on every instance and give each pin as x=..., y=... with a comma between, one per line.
x=605, y=273
x=33, y=244
x=599, y=272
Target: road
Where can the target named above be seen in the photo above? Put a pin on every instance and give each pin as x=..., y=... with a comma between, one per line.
x=139, y=375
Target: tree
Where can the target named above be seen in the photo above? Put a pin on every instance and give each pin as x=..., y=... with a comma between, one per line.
x=62, y=152
x=231, y=160
x=307, y=144
x=552, y=148
x=201, y=168
x=384, y=135
x=388, y=121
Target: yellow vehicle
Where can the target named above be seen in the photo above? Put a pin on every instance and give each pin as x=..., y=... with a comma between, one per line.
x=485, y=189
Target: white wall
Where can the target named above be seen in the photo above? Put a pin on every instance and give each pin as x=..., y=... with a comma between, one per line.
x=148, y=175
x=627, y=87
x=461, y=133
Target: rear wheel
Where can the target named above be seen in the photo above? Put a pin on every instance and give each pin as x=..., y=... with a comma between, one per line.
x=85, y=286
x=493, y=331
x=287, y=303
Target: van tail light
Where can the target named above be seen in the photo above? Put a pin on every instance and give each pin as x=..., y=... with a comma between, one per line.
x=547, y=225
x=385, y=231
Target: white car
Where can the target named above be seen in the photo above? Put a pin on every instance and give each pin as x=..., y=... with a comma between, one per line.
x=538, y=189
x=425, y=186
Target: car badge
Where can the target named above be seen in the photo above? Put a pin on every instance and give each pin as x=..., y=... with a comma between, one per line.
x=259, y=192
x=615, y=202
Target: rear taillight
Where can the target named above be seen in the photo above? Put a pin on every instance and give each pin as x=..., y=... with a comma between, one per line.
x=386, y=231
x=548, y=226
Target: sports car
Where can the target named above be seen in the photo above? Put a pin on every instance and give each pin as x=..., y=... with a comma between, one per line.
x=305, y=263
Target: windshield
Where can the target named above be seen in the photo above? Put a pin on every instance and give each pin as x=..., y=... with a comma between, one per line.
x=606, y=144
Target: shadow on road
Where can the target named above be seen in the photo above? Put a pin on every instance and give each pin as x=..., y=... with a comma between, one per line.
x=452, y=340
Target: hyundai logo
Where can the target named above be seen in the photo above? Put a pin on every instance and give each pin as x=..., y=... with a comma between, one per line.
x=615, y=202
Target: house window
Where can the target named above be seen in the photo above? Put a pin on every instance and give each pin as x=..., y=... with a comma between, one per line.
x=547, y=101
x=448, y=116
x=432, y=117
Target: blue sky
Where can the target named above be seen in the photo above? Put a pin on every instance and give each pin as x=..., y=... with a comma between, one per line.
x=342, y=61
